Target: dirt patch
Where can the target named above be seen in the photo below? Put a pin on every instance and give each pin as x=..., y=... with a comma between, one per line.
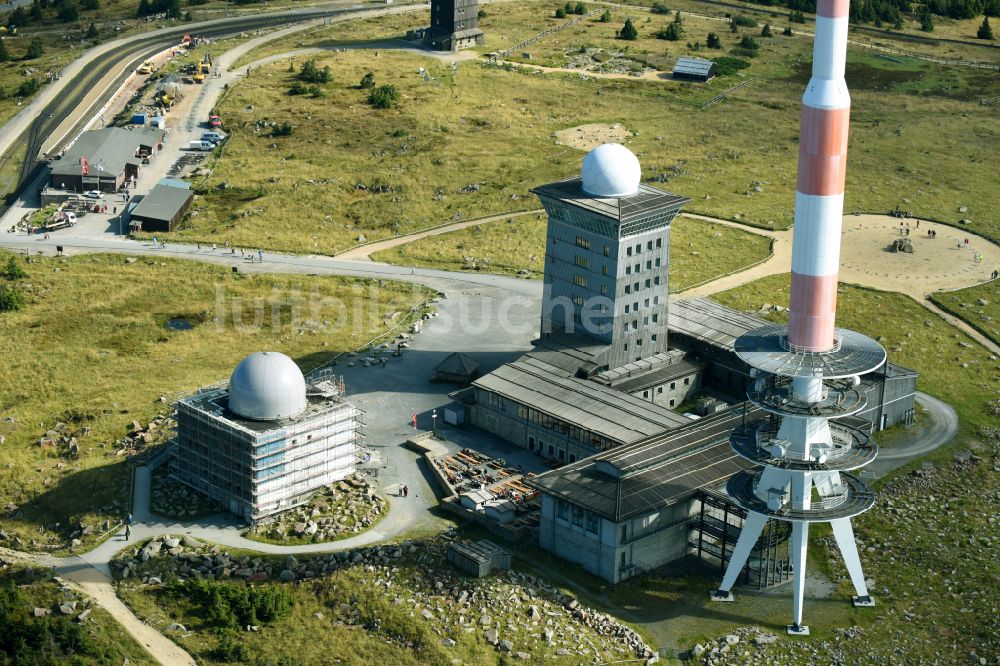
x=588, y=137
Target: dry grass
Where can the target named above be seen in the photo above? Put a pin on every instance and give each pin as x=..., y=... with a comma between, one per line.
x=699, y=250
x=978, y=306
x=92, y=349
x=495, y=128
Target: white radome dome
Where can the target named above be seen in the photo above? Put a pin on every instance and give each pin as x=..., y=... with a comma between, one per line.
x=267, y=386
x=611, y=170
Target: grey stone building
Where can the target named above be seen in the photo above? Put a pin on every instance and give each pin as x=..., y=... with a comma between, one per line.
x=454, y=25
x=607, y=257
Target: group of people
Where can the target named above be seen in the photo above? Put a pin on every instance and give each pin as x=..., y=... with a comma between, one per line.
x=253, y=256
x=404, y=490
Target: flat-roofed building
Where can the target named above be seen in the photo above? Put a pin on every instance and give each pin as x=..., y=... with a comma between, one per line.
x=105, y=159
x=631, y=509
x=164, y=207
x=268, y=440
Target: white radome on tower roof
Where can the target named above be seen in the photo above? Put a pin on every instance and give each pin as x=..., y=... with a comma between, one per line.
x=267, y=386
x=611, y=170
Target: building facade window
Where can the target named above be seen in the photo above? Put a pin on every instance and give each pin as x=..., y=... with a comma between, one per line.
x=580, y=281
x=562, y=510
x=582, y=262
x=583, y=242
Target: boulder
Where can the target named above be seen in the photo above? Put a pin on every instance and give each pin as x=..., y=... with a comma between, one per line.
x=176, y=626
x=287, y=575
x=491, y=636
x=41, y=612
x=506, y=646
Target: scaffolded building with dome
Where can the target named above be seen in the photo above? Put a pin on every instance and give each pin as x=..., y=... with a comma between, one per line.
x=269, y=439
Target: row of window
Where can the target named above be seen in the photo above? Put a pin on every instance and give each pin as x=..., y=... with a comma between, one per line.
x=638, y=267
x=545, y=421
x=649, y=246
x=577, y=515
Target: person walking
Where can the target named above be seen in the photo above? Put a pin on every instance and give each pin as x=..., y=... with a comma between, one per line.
x=260, y=255
x=406, y=490
x=128, y=531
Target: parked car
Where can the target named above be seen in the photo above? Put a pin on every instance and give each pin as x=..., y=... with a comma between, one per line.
x=201, y=145
x=94, y=194
x=214, y=137
x=214, y=121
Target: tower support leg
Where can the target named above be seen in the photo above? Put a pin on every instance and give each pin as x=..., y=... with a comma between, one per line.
x=751, y=530
x=843, y=532
x=800, y=541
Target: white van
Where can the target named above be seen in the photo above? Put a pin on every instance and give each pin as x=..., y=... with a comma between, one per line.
x=201, y=145
x=213, y=137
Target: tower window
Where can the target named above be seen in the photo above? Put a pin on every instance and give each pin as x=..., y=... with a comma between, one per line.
x=649, y=264
x=657, y=263
x=647, y=283
x=655, y=317
x=583, y=242
x=580, y=281
x=582, y=262
x=656, y=280
x=649, y=245
x=658, y=242
x=638, y=248
x=628, y=251
x=604, y=290
x=607, y=251
x=628, y=270
x=627, y=289
x=604, y=270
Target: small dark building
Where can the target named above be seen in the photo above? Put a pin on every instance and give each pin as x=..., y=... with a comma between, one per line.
x=105, y=159
x=454, y=25
x=694, y=69
x=163, y=208
x=457, y=368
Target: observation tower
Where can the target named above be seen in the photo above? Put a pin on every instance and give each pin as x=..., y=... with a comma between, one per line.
x=808, y=373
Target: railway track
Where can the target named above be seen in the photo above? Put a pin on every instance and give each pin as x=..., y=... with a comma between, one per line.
x=126, y=58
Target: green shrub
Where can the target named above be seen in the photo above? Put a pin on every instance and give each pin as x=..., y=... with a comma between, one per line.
x=606, y=16
x=628, y=31
x=796, y=17
x=659, y=8
x=228, y=605
x=713, y=41
x=766, y=31
x=28, y=87
x=560, y=13
x=310, y=73
x=14, y=270
x=35, y=49
x=743, y=21
x=284, y=129
x=367, y=81
x=727, y=66
x=11, y=298
x=671, y=33
x=384, y=97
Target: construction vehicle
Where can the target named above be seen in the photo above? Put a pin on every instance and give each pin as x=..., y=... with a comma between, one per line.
x=199, y=78
x=145, y=68
x=165, y=100
x=206, y=64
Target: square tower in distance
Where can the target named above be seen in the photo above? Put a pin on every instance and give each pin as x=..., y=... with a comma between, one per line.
x=607, y=257
x=454, y=25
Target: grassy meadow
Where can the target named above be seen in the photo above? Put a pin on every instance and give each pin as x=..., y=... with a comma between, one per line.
x=92, y=349
x=978, y=306
x=390, y=614
x=55, y=638
x=699, y=250
x=409, y=168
